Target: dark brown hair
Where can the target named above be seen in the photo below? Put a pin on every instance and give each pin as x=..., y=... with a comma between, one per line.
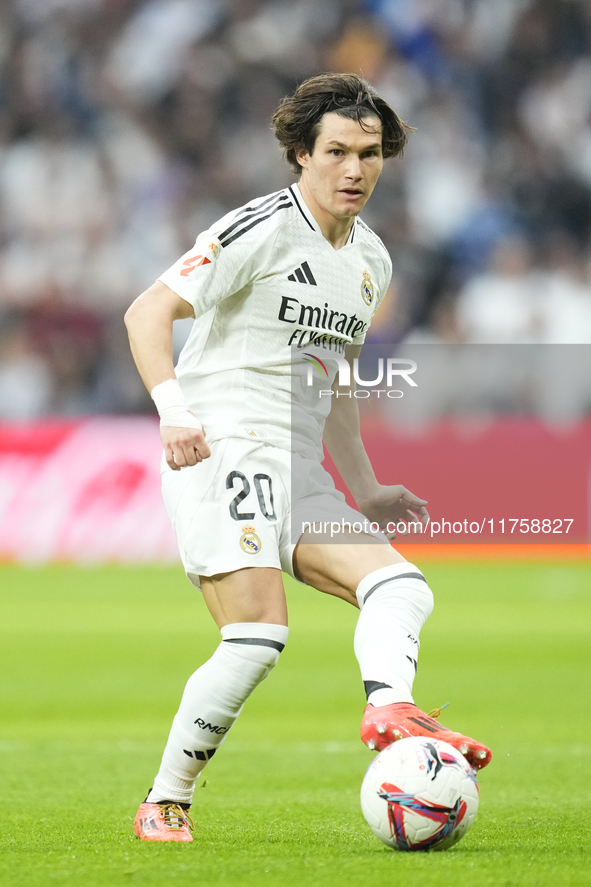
x=296, y=120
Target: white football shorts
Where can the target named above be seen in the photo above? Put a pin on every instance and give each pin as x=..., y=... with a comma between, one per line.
x=235, y=509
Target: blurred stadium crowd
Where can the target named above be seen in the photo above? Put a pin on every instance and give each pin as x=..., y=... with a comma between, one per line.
x=127, y=126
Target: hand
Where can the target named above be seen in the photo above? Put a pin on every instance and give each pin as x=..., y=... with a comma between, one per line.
x=183, y=446
x=389, y=505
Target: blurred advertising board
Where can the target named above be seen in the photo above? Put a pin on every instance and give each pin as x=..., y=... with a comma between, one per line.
x=502, y=481
x=497, y=438
x=88, y=491
x=83, y=491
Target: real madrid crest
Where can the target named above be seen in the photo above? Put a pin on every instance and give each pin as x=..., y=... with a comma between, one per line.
x=367, y=288
x=249, y=541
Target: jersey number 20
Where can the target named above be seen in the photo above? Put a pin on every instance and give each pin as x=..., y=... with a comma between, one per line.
x=267, y=511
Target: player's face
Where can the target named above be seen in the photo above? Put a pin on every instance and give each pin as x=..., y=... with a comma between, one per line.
x=344, y=166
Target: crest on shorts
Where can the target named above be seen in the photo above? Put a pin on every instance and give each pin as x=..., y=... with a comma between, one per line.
x=367, y=288
x=249, y=541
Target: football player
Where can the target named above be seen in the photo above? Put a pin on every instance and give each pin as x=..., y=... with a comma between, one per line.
x=291, y=277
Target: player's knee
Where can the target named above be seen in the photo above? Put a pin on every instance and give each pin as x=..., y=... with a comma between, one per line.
x=423, y=596
x=395, y=583
x=257, y=642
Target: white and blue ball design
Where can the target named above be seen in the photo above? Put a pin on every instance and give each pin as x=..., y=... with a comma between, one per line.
x=419, y=794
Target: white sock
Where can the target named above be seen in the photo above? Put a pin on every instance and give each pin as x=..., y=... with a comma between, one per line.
x=212, y=701
x=395, y=602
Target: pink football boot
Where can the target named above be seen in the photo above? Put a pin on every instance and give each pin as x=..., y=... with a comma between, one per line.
x=165, y=821
x=382, y=725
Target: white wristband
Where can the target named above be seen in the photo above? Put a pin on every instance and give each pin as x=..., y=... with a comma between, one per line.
x=172, y=406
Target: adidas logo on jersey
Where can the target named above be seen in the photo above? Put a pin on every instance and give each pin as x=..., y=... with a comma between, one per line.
x=303, y=274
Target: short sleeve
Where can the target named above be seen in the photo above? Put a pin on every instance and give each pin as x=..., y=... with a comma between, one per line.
x=212, y=271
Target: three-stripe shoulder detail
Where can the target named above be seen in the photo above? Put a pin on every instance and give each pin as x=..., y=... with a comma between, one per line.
x=254, y=215
x=363, y=227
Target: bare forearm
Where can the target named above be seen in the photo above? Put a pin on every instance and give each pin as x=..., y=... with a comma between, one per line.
x=384, y=505
x=151, y=348
x=343, y=441
x=149, y=325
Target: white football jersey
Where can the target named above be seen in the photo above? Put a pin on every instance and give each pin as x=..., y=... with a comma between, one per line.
x=266, y=285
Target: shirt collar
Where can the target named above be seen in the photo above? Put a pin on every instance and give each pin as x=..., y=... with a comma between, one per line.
x=301, y=205
x=303, y=208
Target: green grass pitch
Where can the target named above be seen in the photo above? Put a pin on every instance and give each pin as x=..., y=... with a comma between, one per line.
x=94, y=661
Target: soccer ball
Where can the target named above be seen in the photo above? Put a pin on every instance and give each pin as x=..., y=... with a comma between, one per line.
x=419, y=794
